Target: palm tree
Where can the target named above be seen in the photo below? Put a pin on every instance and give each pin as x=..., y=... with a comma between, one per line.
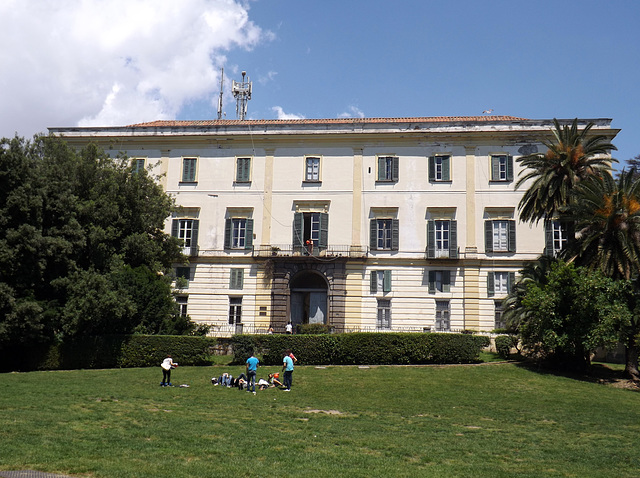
x=571, y=157
x=607, y=220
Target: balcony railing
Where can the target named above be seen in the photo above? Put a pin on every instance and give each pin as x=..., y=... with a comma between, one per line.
x=289, y=250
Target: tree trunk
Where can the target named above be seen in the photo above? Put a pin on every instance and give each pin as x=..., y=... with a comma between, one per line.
x=631, y=353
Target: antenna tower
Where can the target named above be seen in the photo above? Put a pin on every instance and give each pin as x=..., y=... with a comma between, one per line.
x=220, y=97
x=242, y=93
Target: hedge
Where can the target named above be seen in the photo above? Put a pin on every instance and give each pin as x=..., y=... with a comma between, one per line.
x=362, y=348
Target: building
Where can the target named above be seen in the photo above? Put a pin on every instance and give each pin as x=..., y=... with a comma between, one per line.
x=374, y=224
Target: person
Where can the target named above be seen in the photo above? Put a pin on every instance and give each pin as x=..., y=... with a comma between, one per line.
x=252, y=369
x=288, y=328
x=270, y=331
x=274, y=379
x=263, y=384
x=167, y=365
x=287, y=368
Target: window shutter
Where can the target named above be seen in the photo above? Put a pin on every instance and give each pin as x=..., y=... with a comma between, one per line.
x=395, y=234
x=432, y=282
x=431, y=239
x=175, y=226
x=194, y=236
x=446, y=168
x=236, y=280
x=298, y=224
x=495, y=168
x=453, y=239
x=395, y=170
x=488, y=236
x=432, y=168
x=511, y=281
x=512, y=236
x=386, y=284
x=373, y=282
x=509, y=167
x=188, y=170
x=491, y=284
x=248, y=239
x=381, y=168
x=548, y=238
x=324, y=230
x=446, y=281
x=243, y=172
x=227, y=233
x=373, y=234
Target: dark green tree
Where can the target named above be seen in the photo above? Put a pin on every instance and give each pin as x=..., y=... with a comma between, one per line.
x=75, y=227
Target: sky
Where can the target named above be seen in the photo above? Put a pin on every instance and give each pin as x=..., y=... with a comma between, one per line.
x=119, y=62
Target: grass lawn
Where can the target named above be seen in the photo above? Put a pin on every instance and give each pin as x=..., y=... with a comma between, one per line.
x=475, y=420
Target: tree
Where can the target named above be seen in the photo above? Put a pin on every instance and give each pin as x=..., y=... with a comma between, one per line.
x=633, y=165
x=74, y=228
x=571, y=157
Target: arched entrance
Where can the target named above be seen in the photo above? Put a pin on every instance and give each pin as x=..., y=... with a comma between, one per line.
x=308, y=298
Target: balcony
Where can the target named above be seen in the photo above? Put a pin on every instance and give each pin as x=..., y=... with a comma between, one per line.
x=289, y=250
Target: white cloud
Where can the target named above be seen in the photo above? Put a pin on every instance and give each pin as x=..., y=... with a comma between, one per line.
x=280, y=114
x=115, y=62
x=353, y=112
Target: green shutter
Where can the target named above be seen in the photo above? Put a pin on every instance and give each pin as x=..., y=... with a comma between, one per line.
x=248, y=240
x=194, y=236
x=512, y=235
x=395, y=169
x=446, y=281
x=511, y=281
x=431, y=239
x=432, y=168
x=495, y=168
x=227, y=233
x=373, y=282
x=298, y=225
x=432, y=282
x=386, y=284
x=175, y=227
x=446, y=168
x=243, y=173
x=188, y=170
x=236, y=279
x=395, y=234
x=453, y=239
x=324, y=231
x=509, y=167
x=373, y=234
x=382, y=168
x=488, y=236
x=548, y=238
x=491, y=284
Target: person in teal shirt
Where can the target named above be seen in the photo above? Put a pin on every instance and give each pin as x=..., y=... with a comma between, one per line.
x=287, y=368
x=252, y=368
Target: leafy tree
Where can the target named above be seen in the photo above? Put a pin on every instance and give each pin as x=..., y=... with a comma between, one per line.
x=633, y=165
x=81, y=244
x=571, y=157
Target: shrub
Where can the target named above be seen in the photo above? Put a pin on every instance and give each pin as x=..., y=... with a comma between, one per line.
x=504, y=344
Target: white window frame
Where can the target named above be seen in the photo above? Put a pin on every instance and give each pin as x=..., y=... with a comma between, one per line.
x=185, y=231
x=235, y=310
x=385, y=234
x=312, y=169
x=442, y=237
x=500, y=235
x=238, y=232
x=560, y=236
x=182, y=301
x=500, y=283
x=499, y=322
x=443, y=316
x=383, y=314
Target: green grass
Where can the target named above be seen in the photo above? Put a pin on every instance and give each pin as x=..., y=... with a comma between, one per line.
x=489, y=420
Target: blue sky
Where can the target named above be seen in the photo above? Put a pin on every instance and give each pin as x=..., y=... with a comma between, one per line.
x=126, y=61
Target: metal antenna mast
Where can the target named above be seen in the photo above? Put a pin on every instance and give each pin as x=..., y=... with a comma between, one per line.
x=220, y=98
x=242, y=93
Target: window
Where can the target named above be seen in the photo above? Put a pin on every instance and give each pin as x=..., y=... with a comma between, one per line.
x=238, y=233
x=501, y=167
x=312, y=169
x=183, y=276
x=384, y=314
x=443, y=322
x=439, y=281
x=310, y=232
x=235, y=310
x=189, y=170
x=499, y=320
x=380, y=281
x=442, y=239
x=384, y=234
x=182, y=305
x=187, y=230
x=500, y=283
x=243, y=170
x=439, y=168
x=556, y=235
x=388, y=168
x=500, y=236
x=236, y=278
x=137, y=165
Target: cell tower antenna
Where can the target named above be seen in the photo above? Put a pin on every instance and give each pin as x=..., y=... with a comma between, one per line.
x=220, y=97
x=242, y=93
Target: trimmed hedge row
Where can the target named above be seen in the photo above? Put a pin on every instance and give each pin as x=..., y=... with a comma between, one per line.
x=362, y=348
x=114, y=352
